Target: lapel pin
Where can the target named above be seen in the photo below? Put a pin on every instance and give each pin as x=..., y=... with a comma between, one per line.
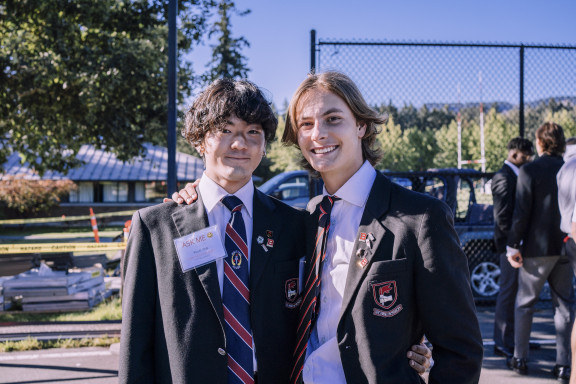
x=362, y=236
x=371, y=236
x=260, y=240
x=369, y=242
x=270, y=243
x=269, y=233
x=363, y=262
x=360, y=252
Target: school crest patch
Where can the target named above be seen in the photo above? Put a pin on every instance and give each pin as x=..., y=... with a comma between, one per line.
x=385, y=296
x=291, y=291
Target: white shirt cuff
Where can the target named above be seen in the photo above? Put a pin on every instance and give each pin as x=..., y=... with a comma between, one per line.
x=511, y=251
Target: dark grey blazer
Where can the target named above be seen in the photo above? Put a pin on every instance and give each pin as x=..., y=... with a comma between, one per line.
x=172, y=325
x=536, y=213
x=415, y=261
x=503, y=192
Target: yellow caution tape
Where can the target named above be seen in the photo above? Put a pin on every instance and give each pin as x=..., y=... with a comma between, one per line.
x=59, y=247
x=64, y=218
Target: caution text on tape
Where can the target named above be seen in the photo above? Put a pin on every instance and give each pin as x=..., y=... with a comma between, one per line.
x=59, y=247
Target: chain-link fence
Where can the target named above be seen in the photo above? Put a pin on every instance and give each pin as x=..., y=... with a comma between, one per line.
x=525, y=82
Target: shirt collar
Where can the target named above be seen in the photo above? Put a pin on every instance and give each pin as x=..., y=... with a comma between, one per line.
x=512, y=166
x=357, y=188
x=212, y=194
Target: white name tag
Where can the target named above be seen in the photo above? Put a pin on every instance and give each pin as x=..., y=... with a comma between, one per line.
x=199, y=248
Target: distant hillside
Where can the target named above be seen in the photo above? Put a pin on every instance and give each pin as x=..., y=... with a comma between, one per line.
x=502, y=106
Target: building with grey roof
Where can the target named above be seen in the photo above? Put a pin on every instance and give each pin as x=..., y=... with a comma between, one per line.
x=104, y=180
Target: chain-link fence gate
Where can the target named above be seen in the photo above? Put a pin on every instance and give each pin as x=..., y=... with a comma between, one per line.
x=522, y=80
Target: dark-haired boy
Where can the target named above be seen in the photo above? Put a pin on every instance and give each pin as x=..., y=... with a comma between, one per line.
x=185, y=319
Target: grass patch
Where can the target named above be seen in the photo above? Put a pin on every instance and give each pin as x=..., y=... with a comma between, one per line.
x=108, y=310
x=31, y=344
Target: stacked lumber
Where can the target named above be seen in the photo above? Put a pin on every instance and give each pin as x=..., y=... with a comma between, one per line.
x=47, y=290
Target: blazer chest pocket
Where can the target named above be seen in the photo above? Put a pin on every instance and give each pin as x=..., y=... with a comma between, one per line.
x=388, y=267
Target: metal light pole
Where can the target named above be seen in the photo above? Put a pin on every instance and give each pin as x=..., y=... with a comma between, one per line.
x=172, y=95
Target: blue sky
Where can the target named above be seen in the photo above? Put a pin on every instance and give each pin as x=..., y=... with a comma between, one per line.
x=279, y=31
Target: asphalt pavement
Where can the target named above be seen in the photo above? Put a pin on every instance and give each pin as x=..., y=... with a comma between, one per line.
x=100, y=365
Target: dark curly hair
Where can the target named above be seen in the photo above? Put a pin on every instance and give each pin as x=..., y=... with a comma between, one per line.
x=521, y=144
x=222, y=99
x=342, y=86
x=551, y=137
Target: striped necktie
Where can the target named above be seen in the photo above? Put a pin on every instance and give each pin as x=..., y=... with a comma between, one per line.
x=310, y=305
x=236, y=297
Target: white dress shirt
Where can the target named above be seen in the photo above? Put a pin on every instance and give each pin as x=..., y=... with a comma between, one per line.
x=514, y=168
x=219, y=215
x=323, y=364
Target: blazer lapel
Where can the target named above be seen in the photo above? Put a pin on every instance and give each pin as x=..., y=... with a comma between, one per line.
x=267, y=227
x=190, y=219
x=374, y=230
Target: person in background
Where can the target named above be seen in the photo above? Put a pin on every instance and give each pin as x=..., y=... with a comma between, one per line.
x=566, y=179
x=520, y=151
x=535, y=246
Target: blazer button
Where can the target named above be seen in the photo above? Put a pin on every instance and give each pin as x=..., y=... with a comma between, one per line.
x=221, y=351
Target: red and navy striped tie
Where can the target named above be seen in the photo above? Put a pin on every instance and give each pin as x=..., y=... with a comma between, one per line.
x=310, y=306
x=236, y=297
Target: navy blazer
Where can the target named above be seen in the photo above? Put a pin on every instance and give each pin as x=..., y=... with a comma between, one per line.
x=416, y=258
x=503, y=194
x=172, y=321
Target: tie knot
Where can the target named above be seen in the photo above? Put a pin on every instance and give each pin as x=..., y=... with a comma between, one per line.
x=232, y=203
x=325, y=209
x=328, y=202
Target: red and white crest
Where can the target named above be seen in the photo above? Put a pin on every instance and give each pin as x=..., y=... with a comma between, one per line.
x=291, y=289
x=385, y=294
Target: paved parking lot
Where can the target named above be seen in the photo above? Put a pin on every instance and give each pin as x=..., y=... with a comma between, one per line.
x=99, y=365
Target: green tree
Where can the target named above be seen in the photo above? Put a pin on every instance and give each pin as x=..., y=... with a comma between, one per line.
x=390, y=140
x=280, y=157
x=227, y=58
x=89, y=72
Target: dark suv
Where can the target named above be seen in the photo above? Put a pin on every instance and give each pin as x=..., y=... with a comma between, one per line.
x=467, y=193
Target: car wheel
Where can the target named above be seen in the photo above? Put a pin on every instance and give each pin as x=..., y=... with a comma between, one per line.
x=484, y=279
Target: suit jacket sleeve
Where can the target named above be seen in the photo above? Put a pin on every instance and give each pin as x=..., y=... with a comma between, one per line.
x=522, y=209
x=445, y=301
x=136, y=363
x=503, y=202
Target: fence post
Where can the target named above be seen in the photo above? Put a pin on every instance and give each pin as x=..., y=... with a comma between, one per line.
x=312, y=51
x=521, y=106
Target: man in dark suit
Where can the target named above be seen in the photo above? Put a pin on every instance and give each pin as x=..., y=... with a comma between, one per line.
x=388, y=267
x=174, y=320
x=535, y=246
x=503, y=186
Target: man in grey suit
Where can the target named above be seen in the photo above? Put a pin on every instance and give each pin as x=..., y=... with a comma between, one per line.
x=535, y=246
x=390, y=269
x=503, y=187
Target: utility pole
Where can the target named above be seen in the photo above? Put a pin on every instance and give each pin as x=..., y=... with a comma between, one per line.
x=172, y=95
